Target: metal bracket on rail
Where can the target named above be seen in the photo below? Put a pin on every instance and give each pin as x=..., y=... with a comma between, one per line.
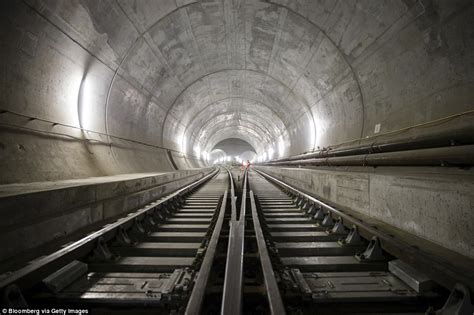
x=199, y=257
x=306, y=204
x=183, y=282
x=163, y=211
x=301, y=202
x=319, y=216
x=373, y=252
x=458, y=303
x=312, y=209
x=137, y=228
x=12, y=297
x=338, y=228
x=294, y=280
x=180, y=281
x=101, y=251
x=287, y=280
x=173, y=204
x=122, y=237
x=296, y=199
x=160, y=214
x=352, y=239
x=148, y=221
x=327, y=221
x=181, y=200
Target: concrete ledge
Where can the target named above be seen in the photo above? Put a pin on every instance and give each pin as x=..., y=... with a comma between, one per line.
x=433, y=203
x=32, y=219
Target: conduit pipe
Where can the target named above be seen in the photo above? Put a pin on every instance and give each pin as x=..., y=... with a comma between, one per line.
x=445, y=156
x=449, y=138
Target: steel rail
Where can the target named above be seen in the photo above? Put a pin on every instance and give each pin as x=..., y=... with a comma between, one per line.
x=244, y=197
x=273, y=292
x=233, y=210
x=441, y=271
x=233, y=281
x=197, y=295
x=31, y=274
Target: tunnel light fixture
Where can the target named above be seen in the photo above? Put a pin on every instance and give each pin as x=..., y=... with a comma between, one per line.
x=182, y=142
x=74, y=93
x=312, y=133
x=271, y=151
x=281, y=147
x=83, y=102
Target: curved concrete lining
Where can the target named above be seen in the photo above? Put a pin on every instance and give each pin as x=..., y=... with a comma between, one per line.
x=285, y=76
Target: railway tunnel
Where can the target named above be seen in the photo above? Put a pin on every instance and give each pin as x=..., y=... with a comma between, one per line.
x=121, y=120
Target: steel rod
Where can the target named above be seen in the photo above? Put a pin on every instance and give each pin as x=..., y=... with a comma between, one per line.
x=233, y=282
x=273, y=292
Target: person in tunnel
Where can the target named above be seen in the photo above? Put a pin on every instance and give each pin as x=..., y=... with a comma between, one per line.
x=245, y=165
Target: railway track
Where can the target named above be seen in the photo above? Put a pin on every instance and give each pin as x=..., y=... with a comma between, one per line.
x=322, y=265
x=252, y=246
x=149, y=259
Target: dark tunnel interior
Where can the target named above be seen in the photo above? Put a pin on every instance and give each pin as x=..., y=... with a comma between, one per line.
x=366, y=105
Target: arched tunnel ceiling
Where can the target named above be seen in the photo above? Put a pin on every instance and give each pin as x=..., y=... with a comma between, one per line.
x=284, y=75
x=266, y=63
x=235, y=147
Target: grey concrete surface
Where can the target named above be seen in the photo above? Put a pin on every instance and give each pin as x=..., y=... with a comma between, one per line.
x=285, y=76
x=11, y=190
x=155, y=85
x=52, y=211
x=433, y=203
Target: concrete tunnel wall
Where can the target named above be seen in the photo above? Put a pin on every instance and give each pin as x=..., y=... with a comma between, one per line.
x=432, y=203
x=285, y=76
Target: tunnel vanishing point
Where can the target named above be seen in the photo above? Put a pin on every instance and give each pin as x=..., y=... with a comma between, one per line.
x=127, y=126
